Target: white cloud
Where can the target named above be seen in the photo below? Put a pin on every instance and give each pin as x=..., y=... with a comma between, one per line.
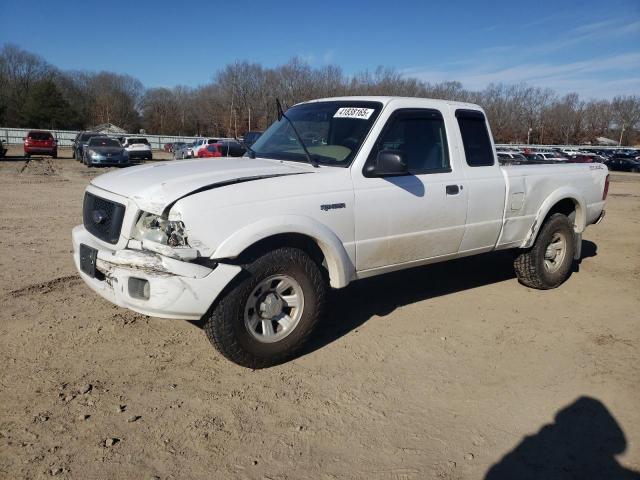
x=602, y=77
x=312, y=58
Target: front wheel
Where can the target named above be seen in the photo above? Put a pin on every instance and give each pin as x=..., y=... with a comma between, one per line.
x=266, y=317
x=548, y=263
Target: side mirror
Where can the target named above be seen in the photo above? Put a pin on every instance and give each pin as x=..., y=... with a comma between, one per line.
x=388, y=163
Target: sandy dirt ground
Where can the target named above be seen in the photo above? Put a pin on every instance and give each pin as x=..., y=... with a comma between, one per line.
x=451, y=371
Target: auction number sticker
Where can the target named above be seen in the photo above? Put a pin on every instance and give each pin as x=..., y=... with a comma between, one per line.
x=354, y=112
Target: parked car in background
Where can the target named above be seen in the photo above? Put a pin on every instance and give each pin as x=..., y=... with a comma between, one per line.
x=138, y=149
x=103, y=151
x=168, y=147
x=547, y=156
x=40, y=142
x=630, y=154
x=201, y=143
x=585, y=157
x=222, y=149
x=175, y=146
x=623, y=164
x=198, y=143
x=80, y=142
x=506, y=157
x=183, y=151
x=3, y=150
x=251, y=137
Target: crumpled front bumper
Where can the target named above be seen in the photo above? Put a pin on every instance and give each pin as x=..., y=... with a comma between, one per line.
x=177, y=289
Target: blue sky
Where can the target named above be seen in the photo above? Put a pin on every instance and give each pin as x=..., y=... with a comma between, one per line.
x=592, y=47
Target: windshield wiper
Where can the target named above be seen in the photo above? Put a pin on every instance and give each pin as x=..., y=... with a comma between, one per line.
x=281, y=115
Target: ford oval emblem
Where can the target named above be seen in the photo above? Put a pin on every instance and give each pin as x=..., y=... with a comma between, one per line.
x=99, y=216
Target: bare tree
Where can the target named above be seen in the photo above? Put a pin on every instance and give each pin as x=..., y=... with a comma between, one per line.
x=626, y=114
x=241, y=96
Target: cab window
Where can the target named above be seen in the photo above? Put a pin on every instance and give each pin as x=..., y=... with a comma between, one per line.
x=420, y=135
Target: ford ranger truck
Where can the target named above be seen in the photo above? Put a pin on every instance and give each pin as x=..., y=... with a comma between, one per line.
x=335, y=190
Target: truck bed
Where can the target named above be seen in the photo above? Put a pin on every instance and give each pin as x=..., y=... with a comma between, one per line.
x=530, y=187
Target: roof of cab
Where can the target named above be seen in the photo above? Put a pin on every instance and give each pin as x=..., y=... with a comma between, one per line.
x=385, y=100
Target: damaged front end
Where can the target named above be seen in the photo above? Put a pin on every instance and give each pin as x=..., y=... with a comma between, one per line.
x=143, y=261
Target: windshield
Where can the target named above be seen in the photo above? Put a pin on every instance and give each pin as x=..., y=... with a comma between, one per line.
x=104, y=142
x=331, y=131
x=40, y=136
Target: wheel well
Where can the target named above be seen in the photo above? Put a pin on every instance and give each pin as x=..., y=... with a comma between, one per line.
x=296, y=240
x=567, y=207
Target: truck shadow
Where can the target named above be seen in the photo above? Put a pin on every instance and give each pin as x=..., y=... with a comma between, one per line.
x=581, y=443
x=352, y=306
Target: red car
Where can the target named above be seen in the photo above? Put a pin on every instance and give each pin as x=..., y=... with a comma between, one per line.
x=40, y=142
x=168, y=147
x=212, y=150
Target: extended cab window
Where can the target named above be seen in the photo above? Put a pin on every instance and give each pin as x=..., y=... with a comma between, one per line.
x=420, y=136
x=475, y=138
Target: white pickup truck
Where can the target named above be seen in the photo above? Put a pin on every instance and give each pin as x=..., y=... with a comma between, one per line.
x=336, y=190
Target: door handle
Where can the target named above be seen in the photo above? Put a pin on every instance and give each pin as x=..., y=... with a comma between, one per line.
x=453, y=189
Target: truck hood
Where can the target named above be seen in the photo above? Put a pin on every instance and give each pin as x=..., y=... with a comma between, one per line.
x=155, y=186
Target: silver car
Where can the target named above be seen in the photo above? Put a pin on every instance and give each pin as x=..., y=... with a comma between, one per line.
x=103, y=151
x=183, y=151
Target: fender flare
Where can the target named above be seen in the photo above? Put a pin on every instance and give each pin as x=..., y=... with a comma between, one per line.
x=562, y=193
x=339, y=264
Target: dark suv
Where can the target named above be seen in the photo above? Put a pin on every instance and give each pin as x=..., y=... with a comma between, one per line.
x=81, y=141
x=623, y=164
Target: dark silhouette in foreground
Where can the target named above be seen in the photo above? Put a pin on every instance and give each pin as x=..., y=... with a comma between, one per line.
x=580, y=444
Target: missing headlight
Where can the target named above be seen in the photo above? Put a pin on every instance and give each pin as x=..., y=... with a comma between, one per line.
x=160, y=230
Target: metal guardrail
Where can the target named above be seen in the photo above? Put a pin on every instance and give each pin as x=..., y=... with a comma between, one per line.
x=15, y=136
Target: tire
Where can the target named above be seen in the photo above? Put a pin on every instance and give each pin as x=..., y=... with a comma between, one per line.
x=73, y=153
x=227, y=323
x=539, y=266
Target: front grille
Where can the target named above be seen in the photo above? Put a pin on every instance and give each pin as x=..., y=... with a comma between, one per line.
x=102, y=218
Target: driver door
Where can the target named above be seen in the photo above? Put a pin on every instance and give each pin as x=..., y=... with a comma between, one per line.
x=421, y=215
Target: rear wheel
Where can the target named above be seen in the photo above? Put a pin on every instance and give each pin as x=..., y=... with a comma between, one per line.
x=266, y=317
x=548, y=263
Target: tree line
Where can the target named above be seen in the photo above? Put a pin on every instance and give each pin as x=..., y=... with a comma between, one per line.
x=241, y=97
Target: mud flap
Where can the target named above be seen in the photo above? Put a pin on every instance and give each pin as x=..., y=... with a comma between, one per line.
x=578, y=246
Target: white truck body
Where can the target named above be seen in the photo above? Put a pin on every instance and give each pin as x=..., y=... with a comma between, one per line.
x=363, y=225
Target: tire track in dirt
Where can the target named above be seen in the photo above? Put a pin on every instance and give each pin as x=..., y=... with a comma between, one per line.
x=38, y=166
x=54, y=285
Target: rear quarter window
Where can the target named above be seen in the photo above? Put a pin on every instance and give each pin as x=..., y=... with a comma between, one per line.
x=475, y=138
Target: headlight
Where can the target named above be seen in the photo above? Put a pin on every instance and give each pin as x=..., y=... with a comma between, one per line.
x=160, y=230
x=96, y=155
